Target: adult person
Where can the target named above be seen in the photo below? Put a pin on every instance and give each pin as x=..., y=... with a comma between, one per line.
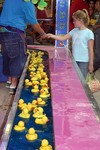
x=91, y=8
x=29, y=35
x=96, y=30
x=76, y=5
x=13, y=20
x=82, y=41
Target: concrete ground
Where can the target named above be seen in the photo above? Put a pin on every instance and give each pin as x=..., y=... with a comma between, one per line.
x=6, y=101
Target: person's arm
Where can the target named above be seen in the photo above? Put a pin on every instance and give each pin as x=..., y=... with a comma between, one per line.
x=96, y=26
x=38, y=29
x=59, y=37
x=91, y=55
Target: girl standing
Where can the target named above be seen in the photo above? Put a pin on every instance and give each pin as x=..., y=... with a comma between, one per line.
x=82, y=41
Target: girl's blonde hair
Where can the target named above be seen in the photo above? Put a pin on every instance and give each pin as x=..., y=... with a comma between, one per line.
x=82, y=15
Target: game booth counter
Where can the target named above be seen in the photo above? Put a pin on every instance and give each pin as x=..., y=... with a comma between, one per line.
x=71, y=109
x=68, y=118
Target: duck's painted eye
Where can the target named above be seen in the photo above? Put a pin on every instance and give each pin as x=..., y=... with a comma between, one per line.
x=35, y=110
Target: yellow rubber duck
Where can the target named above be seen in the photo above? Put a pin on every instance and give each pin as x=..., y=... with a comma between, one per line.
x=31, y=135
x=44, y=75
x=28, y=83
x=24, y=113
x=24, y=106
x=40, y=101
x=42, y=82
x=34, y=103
x=29, y=106
x=46, y=79
x=39, y=60
x=35, y=78
x=45, y=145
x=21, y=103
x=32, y=74
x=38, y=75
x=41, y=66
x=31, y=68
x=20, y=126
x=38, y=112
x=33, y=53
x=35, y=90
x=42, y=120
x=35, y=83
x=45, y=86
x=40, y=71
x=26, y=80
x=44, y=94
x=40, y=53
x=35, y=65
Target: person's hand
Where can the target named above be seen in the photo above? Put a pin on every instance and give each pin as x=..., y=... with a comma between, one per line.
x=91, y=68
x=43, y=36
x=70, y=53
x=49, y=35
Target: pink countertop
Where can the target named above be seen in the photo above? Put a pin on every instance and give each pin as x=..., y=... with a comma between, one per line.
x=75, y=123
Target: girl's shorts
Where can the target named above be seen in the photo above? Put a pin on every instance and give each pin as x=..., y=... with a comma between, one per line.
x=83, y=67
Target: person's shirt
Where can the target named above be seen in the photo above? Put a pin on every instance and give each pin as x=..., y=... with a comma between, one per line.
x=17, y=13
x=80, y=40
x=97, y=17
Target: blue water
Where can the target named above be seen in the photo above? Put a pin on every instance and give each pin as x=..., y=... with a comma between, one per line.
x=17, y=140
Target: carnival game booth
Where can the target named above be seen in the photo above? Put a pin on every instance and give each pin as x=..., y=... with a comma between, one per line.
x=72, y=112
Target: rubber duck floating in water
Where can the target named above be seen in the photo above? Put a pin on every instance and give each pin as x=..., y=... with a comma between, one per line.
x=42, y=120
x=35, y=83
x=21, y=103
x=31, y=68
x=35, y=90
x=20, y=126
x=45, y=86
x=34, y=103
x=38, y=112
x=44, y=81
x=31, y=135
x=34, y=78
x=28, y=83
x=40, y=53
x=45, y=145
x=44, y=94
x=24, y=113
x=40, y=101
x=44, y=75
x=29, y=106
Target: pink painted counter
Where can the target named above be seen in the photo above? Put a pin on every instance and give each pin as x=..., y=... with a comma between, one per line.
x=75, y=123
